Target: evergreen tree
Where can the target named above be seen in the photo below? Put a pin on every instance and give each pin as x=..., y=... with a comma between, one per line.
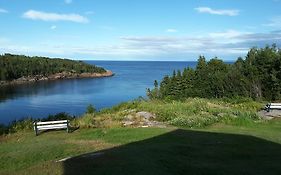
x=258, y=77
x=16, y=66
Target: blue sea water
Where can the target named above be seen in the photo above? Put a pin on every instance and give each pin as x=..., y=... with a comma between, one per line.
x=73, y=96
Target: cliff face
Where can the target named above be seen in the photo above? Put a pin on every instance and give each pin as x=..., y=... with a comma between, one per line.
x=57, y=76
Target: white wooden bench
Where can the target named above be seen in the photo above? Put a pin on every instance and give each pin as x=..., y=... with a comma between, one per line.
x=60, y=124
x=270, y=106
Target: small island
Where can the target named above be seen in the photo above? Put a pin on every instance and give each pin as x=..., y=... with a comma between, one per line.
x=19, y=69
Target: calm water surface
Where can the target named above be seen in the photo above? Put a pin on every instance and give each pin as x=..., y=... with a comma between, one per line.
x=73, y=96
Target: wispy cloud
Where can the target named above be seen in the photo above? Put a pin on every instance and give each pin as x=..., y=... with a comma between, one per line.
x=53, y=27
x=227, y=12
x=274, y=22
x=68, y=1
x=3, y=10
x=45, y=16
x=229, y=43
x=172, y=30
x=227, y=36
x=226, y=44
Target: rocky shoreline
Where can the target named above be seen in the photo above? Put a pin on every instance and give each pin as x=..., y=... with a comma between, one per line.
x=57, y=76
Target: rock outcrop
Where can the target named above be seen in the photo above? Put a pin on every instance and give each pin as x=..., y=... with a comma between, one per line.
x=142, y=119
x=57, y=76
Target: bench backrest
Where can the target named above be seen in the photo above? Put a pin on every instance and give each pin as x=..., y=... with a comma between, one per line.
x=270, y=106
x=275, y=104
x=61, y=124
x=52, y=122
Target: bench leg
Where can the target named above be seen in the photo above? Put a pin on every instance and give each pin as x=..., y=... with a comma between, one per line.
x=35, y=129
x=268, y=109
x=67, y=127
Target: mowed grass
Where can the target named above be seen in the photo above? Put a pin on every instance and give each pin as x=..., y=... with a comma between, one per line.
x=218, y=149
x=24, y=153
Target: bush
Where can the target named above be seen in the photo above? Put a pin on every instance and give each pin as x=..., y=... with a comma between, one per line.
x=26, y=124
x=195, y=120
x=91, y=109
x=58, y=116
x=3, y=129
x=86, y=121
x=20, y=125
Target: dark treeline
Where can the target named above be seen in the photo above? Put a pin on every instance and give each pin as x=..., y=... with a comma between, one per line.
x=16, y=66
x=258, y=76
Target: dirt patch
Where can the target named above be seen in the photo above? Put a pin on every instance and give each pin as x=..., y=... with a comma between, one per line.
x=275, y=113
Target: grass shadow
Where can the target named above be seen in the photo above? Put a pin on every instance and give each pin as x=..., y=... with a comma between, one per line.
x=71, y=129
x=183, y=152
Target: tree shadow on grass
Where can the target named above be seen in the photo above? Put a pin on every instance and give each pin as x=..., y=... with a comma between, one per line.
x=183, y=152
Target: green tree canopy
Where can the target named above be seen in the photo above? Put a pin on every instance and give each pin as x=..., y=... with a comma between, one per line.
x=257, y=76
x=16, y=66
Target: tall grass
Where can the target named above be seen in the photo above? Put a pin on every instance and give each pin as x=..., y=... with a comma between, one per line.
x=198, y=112
x=192, y=112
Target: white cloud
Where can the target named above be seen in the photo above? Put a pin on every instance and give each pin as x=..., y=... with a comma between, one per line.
x=44, y=16
x=226, y=44
x=172, y=30
x=227, y=34
x=68, y=1
x=53, y=27
x=3, y=10
x=274, y=22
x=227, y=12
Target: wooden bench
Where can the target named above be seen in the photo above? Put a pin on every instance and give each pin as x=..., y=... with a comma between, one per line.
x=271, y=106
x=60, y=124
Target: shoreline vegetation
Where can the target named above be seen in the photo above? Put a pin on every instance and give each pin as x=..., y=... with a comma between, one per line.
x=188, y=113
x=19, y=69
x=56, y=76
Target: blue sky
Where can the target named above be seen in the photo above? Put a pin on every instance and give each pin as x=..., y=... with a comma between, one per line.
x=138, y=29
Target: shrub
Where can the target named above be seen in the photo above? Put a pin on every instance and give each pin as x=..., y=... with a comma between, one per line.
x=21, y=125
x=58, y=116
x=91, y=109
x=3, y=129
x=25, y=124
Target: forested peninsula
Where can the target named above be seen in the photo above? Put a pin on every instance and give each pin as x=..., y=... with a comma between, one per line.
x=18, y=69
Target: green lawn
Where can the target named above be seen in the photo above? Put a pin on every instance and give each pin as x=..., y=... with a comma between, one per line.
x=218, y=149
